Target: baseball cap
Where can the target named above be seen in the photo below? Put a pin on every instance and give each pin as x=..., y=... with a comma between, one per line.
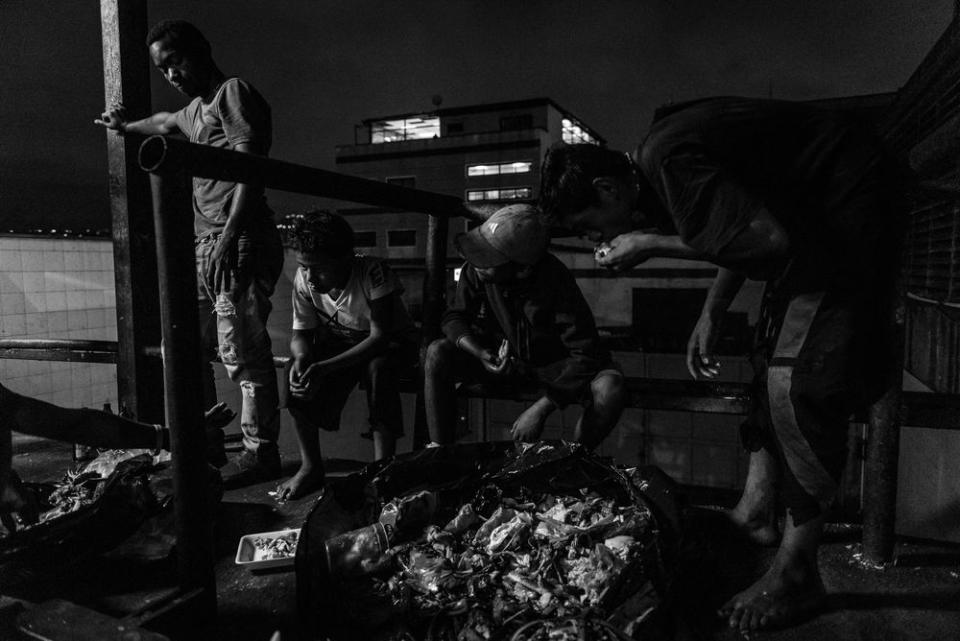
x=512, y=233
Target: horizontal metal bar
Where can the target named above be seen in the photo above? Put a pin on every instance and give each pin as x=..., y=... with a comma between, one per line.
x=45, y=349
x=160, y=155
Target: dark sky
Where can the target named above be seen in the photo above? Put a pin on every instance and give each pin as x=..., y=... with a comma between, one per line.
x=326, y=65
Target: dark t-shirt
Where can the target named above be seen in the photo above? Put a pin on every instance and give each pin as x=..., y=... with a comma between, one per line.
x=236, y=114
x=715, y=163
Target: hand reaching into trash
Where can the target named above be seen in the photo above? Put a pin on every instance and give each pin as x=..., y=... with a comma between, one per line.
x=529, y=425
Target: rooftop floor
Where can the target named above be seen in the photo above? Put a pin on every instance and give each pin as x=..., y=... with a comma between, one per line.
x=915, y=599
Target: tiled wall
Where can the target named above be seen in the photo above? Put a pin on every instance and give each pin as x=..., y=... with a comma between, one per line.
x=63, y=288
x=58, y=288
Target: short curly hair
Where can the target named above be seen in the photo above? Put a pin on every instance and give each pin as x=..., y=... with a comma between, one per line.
x=183, y=36
x=318, y=231
x=567, y=174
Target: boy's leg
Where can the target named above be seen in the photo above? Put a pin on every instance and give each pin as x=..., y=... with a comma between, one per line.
x=245, y=350
x=383, y=398
x=439, y=390
x=755, y=513
x=809, y=394
x=216, y=453
x=608, y=395
x=310, y=476
x=312, y=416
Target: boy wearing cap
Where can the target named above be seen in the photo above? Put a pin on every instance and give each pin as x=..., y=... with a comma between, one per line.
x=349, y=324
x=519, y=317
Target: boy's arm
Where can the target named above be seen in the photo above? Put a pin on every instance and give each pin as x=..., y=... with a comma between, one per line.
x=162, y=122
x=376, y=342
x=578, y=332
x=457, y=320
x=247, y=199
x=700, y=356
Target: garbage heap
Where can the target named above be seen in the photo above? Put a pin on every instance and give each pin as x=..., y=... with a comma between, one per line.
x=483, y=542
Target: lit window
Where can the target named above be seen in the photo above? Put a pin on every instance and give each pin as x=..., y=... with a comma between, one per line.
x=402, y=238
x=412, y=128
x=518, y=167
x=572, y=132
x=514, y=193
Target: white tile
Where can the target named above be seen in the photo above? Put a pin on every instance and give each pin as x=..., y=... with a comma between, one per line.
x=53, y=260
x=32, y=261
x=35, y=302
x=16, y=368
x=55, y=281
x=56, y=322
x=14, y=325
x=36, y=323
x=33, y=281
x=10, y=260
x=76, y=320
x=76, y=300
x=9, y=244
x=12, y=304
x=56, y=301
x=11, y=281
x=72, y=261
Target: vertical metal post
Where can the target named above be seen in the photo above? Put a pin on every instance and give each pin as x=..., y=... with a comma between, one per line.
x=126, y=80
x=434, y=293
x=181, y=377
x=883, y=449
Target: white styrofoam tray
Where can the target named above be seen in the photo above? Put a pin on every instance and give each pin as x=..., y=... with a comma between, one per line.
x=247, y=552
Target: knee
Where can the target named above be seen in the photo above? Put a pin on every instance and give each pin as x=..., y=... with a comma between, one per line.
x=609, y=392
x=438, y=355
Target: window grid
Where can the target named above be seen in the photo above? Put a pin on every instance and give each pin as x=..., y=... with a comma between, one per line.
x=497, y=169
x=513, y=193
x=573, y=133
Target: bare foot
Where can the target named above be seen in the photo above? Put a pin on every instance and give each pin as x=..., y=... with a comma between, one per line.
x=760, y=526
x=304, y=482
x=786, y=594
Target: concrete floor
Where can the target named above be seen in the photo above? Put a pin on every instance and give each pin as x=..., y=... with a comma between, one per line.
x=915, y=599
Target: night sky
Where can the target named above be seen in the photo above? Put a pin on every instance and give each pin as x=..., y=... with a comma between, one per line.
x=324, y=66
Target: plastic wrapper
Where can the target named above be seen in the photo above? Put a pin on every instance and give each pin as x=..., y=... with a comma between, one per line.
x=91, y=509
x=545, y=534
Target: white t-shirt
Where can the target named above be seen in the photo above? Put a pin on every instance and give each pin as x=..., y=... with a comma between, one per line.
x=348, y=317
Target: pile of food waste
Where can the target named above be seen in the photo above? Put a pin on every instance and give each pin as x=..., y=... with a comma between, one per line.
x=266, y=548
x=510, y=561
x=93, y=506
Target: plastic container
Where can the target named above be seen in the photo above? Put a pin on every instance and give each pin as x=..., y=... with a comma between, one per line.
x=358, y=552
x=251, y=557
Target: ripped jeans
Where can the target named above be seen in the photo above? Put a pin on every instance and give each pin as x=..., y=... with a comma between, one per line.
x=233, y=324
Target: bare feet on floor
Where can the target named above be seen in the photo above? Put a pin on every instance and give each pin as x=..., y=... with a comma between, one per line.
x=787, y=594
x=305, y=481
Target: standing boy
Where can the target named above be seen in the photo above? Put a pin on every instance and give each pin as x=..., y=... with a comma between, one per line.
x=238, y=251
x=788, y=193
x=349, y=324
x=512, y=290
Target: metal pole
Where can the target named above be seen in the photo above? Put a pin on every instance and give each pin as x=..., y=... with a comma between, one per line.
x=434, y=293
x=126, y=79
x=883, y=449
x=163, y=155
x=181, y=377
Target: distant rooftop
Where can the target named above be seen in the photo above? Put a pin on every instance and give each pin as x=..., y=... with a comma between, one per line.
x=427, y=124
